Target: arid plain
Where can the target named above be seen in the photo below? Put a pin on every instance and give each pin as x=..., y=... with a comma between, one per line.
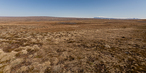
x=72, y=45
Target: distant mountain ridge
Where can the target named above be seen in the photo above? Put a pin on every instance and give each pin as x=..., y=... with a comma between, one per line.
x=113, y=18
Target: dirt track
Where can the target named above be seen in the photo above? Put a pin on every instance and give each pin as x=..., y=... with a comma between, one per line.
x=66, y=45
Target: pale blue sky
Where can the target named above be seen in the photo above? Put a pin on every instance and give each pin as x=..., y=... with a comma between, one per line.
x=74, y=8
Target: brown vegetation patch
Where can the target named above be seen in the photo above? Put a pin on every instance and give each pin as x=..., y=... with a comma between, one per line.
x=53, y=45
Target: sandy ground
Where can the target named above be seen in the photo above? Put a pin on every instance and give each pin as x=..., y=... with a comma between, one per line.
x=72, y=45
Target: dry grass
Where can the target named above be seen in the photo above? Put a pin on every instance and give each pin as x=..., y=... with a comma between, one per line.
x=72, y=45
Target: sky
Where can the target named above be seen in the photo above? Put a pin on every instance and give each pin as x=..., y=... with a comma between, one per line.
x=74, y=8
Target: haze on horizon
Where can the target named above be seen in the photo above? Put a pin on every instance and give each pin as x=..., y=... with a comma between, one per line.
x=74, y=8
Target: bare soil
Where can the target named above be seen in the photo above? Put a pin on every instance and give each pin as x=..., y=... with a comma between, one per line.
x=72, y=45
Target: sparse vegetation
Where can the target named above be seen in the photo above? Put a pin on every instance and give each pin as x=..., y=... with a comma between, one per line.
x=72, y=45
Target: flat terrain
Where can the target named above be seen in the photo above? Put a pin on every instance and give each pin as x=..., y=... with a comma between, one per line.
x=72, y=45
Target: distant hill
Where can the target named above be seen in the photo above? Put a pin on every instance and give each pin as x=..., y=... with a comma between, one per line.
x=112, y=18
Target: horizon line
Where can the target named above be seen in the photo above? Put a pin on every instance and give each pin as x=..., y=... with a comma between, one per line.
x=77, y=17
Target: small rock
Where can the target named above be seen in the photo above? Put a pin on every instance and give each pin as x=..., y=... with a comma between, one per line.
x=107, y=46
x=127, y=52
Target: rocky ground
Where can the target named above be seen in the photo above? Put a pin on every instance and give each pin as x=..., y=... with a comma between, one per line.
x=105, y=49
